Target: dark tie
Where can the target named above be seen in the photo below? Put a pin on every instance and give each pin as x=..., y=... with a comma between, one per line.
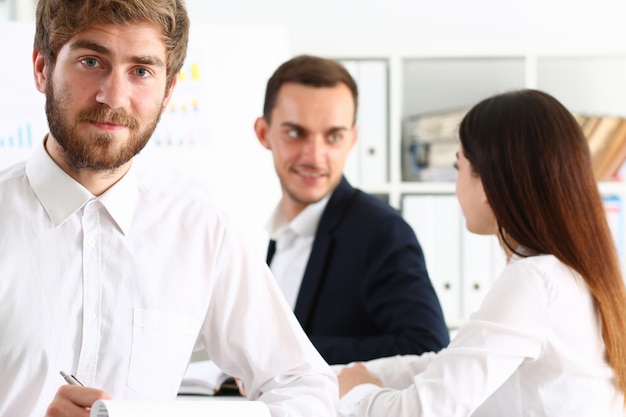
x=271, y=249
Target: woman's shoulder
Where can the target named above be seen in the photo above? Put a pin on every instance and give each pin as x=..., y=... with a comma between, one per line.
x=544, y=265
x=545, y=271
x=541, y=262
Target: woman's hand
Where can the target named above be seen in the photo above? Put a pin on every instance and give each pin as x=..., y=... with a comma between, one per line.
x=351, y=376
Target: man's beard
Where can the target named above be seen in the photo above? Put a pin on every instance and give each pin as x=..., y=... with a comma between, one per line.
x=98, y=151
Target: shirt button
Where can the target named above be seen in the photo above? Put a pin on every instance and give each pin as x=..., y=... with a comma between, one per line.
x=91, y=242
x=91, y=315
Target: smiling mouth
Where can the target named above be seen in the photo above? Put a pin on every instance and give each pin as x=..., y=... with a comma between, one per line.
x=309, y=173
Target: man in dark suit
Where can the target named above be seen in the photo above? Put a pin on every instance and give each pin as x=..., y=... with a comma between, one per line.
x=348, y=264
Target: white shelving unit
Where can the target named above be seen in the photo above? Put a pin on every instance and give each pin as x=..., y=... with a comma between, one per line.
x=587, y=79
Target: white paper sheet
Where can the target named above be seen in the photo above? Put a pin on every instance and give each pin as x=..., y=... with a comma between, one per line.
x=187, y=408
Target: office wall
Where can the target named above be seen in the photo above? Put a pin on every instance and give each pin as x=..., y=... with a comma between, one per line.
x=366, y=21
x=409, y=20
x=4, y=11
x=17, y=9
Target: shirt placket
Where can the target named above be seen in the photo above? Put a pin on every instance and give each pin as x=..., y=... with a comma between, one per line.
x=91, y=244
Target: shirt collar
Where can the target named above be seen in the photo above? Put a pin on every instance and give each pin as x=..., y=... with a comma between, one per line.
x=62, y=196
x=304, y=224
x=120, y=200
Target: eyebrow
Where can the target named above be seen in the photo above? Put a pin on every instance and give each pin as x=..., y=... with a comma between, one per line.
x=96, y=47
x=303, y=129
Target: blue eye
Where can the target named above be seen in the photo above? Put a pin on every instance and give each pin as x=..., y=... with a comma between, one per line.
x=334, y=137
x=293, y=133
x=142, y=72
x=90, y=62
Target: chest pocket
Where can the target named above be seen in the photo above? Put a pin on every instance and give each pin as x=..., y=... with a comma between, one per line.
x=161, y=346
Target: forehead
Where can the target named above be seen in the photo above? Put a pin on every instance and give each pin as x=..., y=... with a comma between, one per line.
x=136, y=39
x=315, y=103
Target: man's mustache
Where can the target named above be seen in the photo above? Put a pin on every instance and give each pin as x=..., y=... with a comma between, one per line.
x=103, y=114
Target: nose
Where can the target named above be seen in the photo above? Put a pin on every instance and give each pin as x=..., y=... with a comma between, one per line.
x=114, y=91
x=314, y=148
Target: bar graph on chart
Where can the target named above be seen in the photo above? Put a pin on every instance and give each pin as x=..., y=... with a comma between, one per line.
x=17, y=140
x=22, y=138
x=185, y=123
x=22, y=116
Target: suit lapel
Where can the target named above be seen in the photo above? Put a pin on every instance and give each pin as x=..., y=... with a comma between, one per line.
x=322, y=249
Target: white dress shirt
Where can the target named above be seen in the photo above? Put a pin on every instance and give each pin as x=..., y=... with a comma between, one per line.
x=294, y=241
x=120, y=289
x=534, y=348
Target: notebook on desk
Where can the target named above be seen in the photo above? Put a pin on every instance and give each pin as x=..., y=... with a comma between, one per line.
x=205, y=378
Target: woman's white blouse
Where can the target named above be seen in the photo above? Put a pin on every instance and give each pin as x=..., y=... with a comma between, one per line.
x=533, y=348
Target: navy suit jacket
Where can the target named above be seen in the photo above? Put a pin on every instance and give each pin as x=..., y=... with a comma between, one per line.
x=366, y=293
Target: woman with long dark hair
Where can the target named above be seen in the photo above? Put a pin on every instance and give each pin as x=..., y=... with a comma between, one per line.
x=550, y=337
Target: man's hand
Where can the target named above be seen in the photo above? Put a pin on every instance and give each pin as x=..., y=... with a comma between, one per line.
x=351, y=376
x=74, y=401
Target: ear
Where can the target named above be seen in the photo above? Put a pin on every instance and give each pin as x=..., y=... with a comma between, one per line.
x=168, y=96
x=260, y=128
x=483, y=198
x=39, y=71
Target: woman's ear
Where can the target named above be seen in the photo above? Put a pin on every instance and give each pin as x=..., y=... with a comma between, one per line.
x=483, y=197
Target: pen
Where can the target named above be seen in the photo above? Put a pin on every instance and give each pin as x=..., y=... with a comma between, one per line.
x=71, y=379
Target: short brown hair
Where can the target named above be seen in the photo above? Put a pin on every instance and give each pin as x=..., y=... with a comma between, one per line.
x=311, y=71
x=58, y=20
